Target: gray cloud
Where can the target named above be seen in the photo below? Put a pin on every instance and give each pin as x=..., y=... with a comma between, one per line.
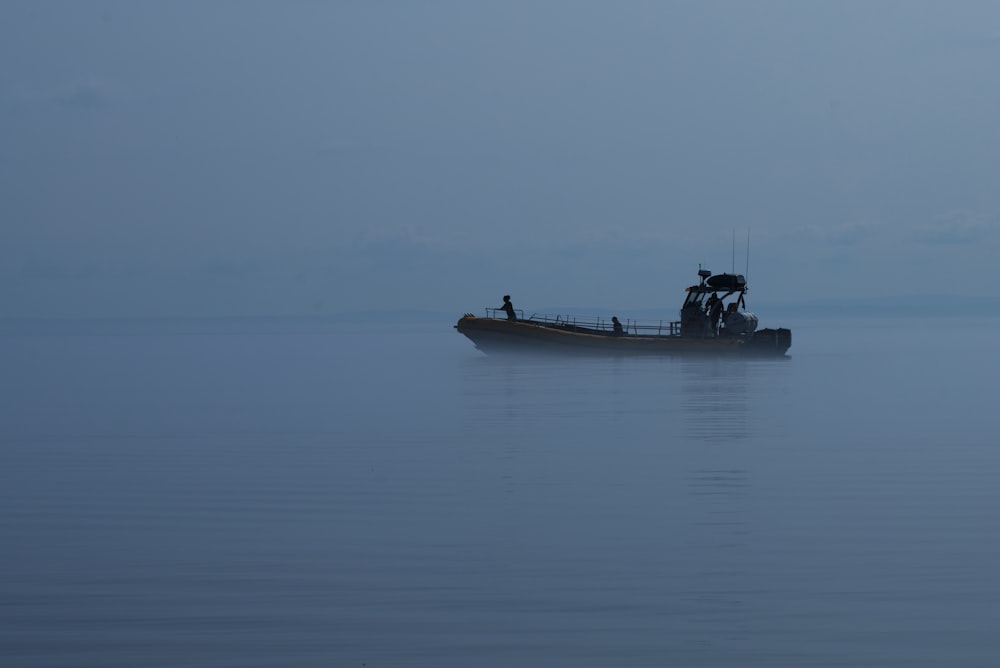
x=82, y=94
x=960, y=227
x=851, y=233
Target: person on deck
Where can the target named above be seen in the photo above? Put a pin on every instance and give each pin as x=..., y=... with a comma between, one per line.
x=715, y=313
x=508, y=308
x=618, y=330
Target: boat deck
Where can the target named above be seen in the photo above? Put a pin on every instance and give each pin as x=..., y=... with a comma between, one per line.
x=595, y=324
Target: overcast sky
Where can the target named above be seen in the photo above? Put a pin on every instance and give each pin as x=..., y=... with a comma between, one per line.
x=225, y=158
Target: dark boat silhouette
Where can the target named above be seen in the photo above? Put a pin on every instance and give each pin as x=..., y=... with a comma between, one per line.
x=713, y=320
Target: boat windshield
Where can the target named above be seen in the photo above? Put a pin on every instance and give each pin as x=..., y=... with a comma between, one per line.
x=695, y=297
x=700, y=296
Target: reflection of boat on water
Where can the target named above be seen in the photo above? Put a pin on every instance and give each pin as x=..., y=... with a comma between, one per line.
x=713, y=320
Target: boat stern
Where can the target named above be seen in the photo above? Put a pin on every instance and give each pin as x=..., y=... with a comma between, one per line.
x=770, y=341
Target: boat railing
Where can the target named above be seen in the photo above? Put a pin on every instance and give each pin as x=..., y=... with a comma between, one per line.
x=502, y=315
x=670, y=328
x=598, y=325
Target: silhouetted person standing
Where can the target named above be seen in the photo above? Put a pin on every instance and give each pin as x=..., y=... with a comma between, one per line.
x=617, y=329
x=715, y=312
x=508, y=308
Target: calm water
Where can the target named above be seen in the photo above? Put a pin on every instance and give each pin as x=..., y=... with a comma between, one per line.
x=294, y=493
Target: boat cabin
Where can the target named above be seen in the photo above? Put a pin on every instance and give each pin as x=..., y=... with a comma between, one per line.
x=706, y=313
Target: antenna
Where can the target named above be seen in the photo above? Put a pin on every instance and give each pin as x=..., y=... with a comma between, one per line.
x=747, y=275
x=734, y=249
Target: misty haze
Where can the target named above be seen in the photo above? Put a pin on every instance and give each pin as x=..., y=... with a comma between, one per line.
x=239, y=427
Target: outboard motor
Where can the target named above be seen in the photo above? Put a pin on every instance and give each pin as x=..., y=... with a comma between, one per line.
x=740, y=322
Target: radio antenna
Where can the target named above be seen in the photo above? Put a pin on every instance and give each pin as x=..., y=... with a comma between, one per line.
x=748, y=256
x=734, y=249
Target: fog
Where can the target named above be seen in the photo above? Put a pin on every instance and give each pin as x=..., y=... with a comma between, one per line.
x=238, y=158
x=187, y=480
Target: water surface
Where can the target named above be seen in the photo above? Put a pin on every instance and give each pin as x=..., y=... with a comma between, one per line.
x=304, y=493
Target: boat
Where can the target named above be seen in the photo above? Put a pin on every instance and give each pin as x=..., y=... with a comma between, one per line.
x=713, y=321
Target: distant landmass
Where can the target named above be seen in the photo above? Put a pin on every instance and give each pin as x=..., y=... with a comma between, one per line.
x=917, y=306
x=913, y=306
x=771, y=313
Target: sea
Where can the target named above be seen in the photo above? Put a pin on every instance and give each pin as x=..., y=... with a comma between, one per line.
x=313, y=493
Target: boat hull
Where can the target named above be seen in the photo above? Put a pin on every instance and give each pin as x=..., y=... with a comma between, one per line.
x=496, y=336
